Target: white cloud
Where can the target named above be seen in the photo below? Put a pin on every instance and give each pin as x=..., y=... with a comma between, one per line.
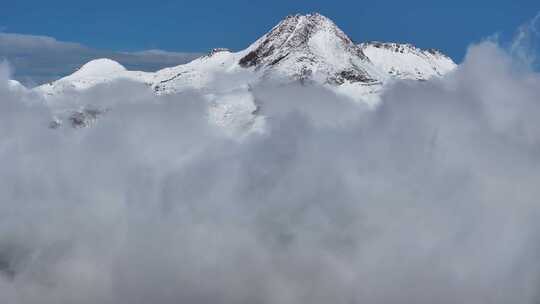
x=432, y=197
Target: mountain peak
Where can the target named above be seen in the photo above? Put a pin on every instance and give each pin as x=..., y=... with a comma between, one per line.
x=312, y=34
x=100, y=67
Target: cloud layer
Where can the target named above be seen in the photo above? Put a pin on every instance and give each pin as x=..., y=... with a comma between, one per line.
x=432, y=197
x=39, y=59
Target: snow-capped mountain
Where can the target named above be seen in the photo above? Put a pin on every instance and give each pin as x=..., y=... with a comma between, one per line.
x=304, y=48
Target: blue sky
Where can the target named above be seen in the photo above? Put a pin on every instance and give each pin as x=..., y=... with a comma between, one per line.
x=197, y=26
x=201, y=25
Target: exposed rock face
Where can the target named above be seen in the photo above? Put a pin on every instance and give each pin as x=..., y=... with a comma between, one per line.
x=85, y=117
x=350, y=75
x=78, y=119
x=217, y=50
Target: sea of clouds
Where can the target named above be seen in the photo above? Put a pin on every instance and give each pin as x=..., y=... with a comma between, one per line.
x=432, y=197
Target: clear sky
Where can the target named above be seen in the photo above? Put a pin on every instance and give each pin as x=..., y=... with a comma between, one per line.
x=196, y=26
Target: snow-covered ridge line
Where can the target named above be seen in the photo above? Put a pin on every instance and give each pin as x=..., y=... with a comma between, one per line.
x=405, y=61
x=401, y=48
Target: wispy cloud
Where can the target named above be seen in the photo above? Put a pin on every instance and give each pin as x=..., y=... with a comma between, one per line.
x=39, y=59
x=524, y=44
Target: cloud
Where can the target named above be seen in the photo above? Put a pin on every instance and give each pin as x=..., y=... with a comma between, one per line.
x=431, y=197
x=39, y=59
x=524, y=44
